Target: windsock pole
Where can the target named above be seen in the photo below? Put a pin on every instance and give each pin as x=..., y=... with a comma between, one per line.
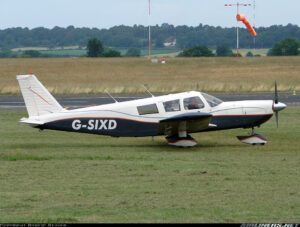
x=237, y=33
x=254, y=18
x=149, y=58
x=237, y=27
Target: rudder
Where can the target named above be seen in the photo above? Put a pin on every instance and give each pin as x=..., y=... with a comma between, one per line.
x=37, y=98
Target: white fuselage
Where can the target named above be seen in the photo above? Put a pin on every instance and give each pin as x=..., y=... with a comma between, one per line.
x=128, y=110
x=225, y=115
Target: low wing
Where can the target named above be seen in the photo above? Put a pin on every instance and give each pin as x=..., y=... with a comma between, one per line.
x=189, y=122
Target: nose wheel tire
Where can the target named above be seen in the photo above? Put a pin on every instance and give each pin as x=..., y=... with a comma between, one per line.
x=253, y=139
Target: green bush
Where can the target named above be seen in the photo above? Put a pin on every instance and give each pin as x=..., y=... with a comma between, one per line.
x=197, y=51
x=286, y=47
x=112, y=54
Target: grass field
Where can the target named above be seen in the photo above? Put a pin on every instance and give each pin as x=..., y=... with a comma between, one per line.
x=126, y=75
x=45, y=48
x=155, y=52
x=71, y=51
x=65, y=52
x=75, y=51
x=66, y=177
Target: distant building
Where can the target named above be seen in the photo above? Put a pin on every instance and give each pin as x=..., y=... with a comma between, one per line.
x=170, y=42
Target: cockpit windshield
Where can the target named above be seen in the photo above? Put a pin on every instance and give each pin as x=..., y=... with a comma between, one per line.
x=211, y=100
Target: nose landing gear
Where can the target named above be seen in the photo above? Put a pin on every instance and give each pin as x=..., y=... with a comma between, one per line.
x=253, y=139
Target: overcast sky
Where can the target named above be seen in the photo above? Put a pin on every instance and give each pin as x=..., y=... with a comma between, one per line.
x=108, y=13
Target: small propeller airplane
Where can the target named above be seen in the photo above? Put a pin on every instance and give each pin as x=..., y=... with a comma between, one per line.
x=175, y=116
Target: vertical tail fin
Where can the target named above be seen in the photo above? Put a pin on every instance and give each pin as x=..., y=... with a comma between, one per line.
x=37, y=98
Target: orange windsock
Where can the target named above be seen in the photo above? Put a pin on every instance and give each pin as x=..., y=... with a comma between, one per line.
x=242, y=18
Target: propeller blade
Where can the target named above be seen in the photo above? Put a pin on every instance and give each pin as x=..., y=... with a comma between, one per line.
x=276, y=94
x=277, y=106
x=276, y=114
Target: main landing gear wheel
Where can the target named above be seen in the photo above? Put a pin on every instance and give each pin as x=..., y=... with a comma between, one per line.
x=253, y=139
x=184, y=142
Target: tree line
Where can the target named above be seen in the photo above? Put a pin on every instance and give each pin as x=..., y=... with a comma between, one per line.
x=137, y=36
x=95, y=48
x=285, y=47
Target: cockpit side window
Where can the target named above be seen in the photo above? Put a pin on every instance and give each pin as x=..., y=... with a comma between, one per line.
x=211, y=100
x=171, y=106
x=147, y=109
x=193, y=103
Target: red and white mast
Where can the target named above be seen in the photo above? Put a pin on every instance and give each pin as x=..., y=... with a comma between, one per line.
x=149, y=3
x=254, y=18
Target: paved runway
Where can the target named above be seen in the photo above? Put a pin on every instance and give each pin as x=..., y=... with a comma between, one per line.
x=79, y=101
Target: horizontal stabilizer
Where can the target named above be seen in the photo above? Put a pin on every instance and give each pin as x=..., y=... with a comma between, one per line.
x=31, y=122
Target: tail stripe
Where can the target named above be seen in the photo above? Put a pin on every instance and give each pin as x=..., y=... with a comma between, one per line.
x=40, y=96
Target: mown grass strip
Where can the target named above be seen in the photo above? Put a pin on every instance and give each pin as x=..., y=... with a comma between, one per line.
x=46, y=158
x=67, y=177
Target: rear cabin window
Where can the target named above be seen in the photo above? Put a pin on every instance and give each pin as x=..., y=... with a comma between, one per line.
x=193, y=103
x=147, y=109
x=172, y=106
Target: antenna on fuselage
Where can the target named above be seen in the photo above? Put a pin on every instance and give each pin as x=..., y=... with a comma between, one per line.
x=147, y=90
x=111, y=96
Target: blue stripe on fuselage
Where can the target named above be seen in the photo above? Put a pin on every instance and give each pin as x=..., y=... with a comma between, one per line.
x=105, y=126
x=130, y=128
